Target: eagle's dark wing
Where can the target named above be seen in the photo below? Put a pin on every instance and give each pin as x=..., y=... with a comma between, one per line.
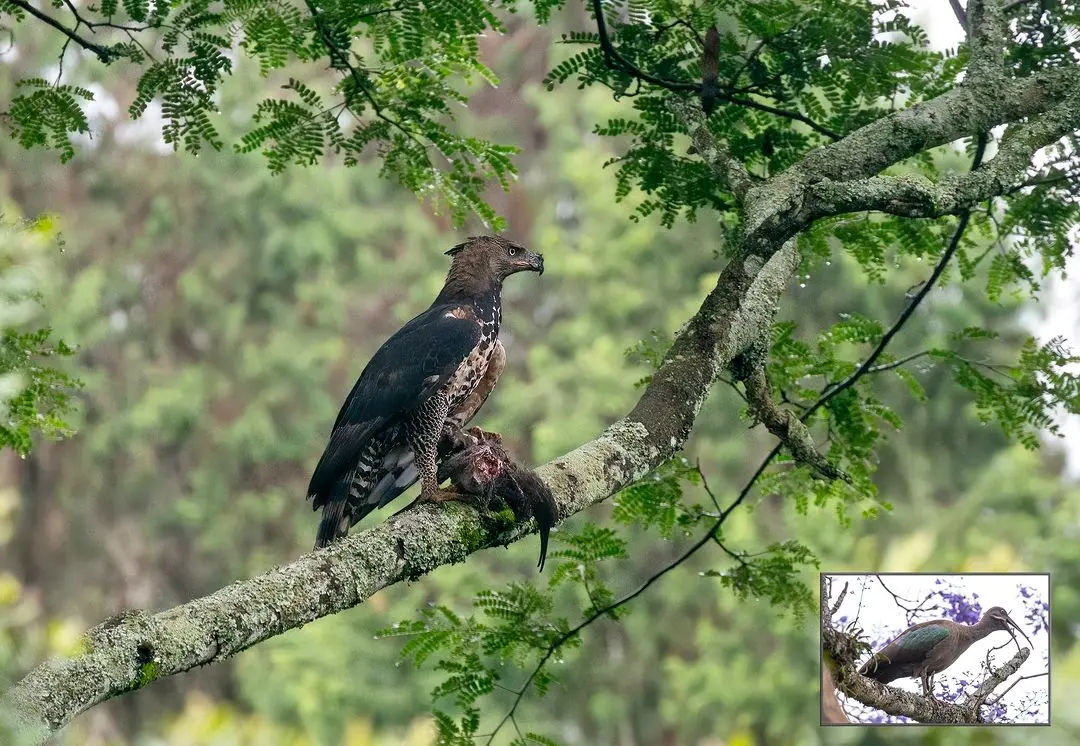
x=408, y=368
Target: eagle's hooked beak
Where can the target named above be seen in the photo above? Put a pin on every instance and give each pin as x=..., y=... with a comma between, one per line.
x=532, y=262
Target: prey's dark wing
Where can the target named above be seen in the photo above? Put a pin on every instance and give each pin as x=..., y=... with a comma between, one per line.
x=408, y=368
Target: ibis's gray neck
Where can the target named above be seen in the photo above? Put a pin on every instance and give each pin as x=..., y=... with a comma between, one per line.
x=973, y=632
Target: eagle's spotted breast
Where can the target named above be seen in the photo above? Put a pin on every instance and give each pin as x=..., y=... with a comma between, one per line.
x=465, y=379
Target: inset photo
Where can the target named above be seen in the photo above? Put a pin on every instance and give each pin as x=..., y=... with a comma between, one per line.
x=945, y=649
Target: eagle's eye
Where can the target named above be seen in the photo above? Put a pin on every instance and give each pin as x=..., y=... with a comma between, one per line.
x=511, y=250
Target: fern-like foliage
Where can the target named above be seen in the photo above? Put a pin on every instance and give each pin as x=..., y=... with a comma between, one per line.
x=791, y=75
x=518, y=626
x=507, y=626
x=773, y=575
x=1021, y=397
x=400, y=71
x=797, y=100
x=46, y=115
x=42, y=396
x=35, y=392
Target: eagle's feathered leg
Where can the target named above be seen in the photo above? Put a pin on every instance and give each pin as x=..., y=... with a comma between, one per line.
x=423, y=431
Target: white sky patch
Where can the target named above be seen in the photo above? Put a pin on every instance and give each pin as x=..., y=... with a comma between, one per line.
x=145, y=131
x=881, y=619
x=9, y=52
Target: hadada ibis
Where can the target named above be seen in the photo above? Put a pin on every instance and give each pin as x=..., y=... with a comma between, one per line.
x=929, y=648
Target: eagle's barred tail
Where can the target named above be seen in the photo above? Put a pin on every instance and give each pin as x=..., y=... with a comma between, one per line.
x=336, y=519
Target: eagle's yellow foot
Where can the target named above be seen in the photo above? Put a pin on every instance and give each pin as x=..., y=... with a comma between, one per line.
x=434, y=496
x=440, y=496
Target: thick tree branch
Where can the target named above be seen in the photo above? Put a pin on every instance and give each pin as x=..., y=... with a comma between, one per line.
x=831, y=711
x=729, y=170
x=964, y=111
x=914, y=196
x=988, y=33
x=779, y=207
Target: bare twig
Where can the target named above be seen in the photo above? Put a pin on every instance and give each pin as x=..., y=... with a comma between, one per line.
x=104, y=54
x=898, y=363
x=1016, y=681
x=958, y=11
x=617, y=61
x=912, y=305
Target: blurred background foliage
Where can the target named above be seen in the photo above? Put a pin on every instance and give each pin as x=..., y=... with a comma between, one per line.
x=220, y=314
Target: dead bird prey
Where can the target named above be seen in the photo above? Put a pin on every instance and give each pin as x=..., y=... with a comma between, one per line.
x=478, y=465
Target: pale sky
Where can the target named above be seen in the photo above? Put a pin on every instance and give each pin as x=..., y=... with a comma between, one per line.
x=881, y=618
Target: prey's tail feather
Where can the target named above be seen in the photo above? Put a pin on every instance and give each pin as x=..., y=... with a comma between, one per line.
x=336, y=516
x=545, y=531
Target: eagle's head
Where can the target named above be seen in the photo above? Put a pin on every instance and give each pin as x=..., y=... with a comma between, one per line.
x=496, y=257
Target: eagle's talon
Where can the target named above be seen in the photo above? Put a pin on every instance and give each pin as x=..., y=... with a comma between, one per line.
x=481, y=436
x=435, y=496
x=440, y=496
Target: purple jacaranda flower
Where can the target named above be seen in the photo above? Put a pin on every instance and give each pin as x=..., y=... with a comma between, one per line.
x=961, y=609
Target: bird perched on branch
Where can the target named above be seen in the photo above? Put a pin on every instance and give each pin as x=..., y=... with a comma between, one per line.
x=926, y=649
x=418, y=390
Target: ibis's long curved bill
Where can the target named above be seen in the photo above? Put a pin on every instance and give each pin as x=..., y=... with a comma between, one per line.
x=1016, y=626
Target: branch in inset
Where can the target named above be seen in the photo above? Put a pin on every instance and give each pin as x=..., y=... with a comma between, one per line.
x=844, y=650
